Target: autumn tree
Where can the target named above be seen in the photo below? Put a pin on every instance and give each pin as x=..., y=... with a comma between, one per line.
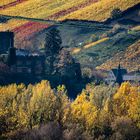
x=124, y=129
x=99, y=112
x=120, y=99
x=125, y=102
x=84, y=111
x=65, y=64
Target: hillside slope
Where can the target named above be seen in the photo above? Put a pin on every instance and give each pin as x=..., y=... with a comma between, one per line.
x=42, y=9
x=98, y=54
x=60, y=9
x=36, y=9
x=100, y=11
x=93, y=54
x=129, y=59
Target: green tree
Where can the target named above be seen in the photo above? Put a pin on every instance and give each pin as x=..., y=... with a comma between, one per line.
x=65, y=64
x=52, y=47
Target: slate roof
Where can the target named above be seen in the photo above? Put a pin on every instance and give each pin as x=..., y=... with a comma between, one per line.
x=134, y=73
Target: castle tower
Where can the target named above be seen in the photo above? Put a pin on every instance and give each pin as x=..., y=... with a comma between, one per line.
x=6, y=41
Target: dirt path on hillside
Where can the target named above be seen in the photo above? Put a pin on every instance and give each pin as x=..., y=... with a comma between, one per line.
x=11, y=4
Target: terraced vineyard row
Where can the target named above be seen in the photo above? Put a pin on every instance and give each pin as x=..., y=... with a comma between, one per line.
x=59, y=10
x=7, y=4
x=72, y=9
x=38, y=10
x=101, y=10
x=29, y=27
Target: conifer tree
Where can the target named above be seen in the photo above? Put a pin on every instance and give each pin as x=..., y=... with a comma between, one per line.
x=52, y=46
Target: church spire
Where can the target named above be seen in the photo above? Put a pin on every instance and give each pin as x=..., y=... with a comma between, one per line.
x=119, y=77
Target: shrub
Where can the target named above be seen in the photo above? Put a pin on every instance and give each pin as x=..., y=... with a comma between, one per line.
x=125, y=129
x=50, y=131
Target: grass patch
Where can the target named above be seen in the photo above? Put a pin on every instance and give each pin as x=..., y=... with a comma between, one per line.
x=95, y=43
x=77, y=50
x=106, y=50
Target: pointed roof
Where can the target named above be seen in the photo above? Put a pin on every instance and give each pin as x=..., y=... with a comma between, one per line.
x=119, y=77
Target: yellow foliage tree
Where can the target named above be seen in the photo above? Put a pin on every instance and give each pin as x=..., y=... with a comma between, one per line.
x=125, y=99
x=83, y=110
x=134, y=109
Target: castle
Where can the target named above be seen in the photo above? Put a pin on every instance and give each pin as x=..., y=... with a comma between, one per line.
x=20, y=61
